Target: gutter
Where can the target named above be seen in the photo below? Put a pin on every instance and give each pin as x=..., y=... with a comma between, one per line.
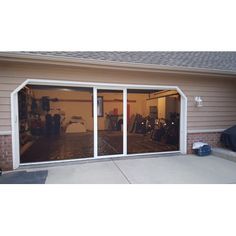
x=78, y=62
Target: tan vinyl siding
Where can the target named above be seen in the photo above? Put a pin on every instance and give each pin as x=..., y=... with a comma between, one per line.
x=5, y=108
x=218, y=93
x=5, y=101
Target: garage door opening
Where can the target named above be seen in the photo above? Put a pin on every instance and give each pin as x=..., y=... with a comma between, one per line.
x=110, y=122
x=57, y=121
x=153, y=121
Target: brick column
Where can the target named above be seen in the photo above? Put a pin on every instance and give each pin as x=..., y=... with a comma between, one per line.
x=213, y=139
x=6, y=152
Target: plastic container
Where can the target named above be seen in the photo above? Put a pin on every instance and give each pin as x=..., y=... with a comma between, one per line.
x=203, y=151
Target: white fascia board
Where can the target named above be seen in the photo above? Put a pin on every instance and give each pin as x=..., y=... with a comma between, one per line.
x=71, y=61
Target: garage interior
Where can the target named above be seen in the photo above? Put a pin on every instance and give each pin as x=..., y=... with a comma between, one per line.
x=57, y=123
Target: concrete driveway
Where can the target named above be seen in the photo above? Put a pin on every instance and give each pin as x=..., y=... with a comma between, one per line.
x=188, y=169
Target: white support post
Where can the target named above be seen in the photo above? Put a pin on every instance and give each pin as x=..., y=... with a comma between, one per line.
x=183, y=125
x=15, y=131
x=95, y=122
x=125, y=121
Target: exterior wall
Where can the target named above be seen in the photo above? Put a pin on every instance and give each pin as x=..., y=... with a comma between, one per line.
x=213, y=139
x=218, y=94
x=5, y=152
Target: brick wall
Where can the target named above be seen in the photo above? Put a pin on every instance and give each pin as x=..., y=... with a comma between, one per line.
x=5, y=152
x=213, y=139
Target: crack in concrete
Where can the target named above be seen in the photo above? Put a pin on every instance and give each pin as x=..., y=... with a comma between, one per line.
x=121, y=172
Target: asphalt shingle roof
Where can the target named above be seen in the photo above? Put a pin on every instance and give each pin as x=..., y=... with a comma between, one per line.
x=225, y=61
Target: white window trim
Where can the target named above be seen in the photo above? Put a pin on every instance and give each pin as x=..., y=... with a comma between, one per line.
x=95, y=86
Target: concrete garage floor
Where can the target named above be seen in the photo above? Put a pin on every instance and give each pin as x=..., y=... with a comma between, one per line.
x=188, y=169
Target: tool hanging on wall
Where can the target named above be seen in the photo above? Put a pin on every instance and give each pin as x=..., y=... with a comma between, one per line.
x=34, y=106
x=45, y=103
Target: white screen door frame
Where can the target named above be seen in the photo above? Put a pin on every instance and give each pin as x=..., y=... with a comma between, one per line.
x=95, y=96
x=95, y=86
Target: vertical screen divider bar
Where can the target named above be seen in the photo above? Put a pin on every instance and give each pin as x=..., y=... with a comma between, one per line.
x=125, y=121
x=95, y=122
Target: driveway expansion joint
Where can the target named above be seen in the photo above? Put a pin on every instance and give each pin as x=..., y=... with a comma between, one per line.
x=121, y=171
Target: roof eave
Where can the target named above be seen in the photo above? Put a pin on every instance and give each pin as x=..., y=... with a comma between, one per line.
x=71, y=61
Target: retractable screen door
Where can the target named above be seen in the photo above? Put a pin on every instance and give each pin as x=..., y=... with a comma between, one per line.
x=110, y=122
